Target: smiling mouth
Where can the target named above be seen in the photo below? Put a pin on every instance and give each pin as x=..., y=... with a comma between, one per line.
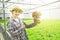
x=16, y=14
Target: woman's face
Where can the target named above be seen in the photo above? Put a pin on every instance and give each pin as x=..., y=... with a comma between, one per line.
x=15, y=13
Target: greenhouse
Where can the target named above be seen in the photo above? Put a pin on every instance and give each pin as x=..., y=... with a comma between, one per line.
x=47, y=29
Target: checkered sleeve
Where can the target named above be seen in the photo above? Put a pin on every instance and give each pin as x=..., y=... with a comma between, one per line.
x=29, y=25
x=10, y=27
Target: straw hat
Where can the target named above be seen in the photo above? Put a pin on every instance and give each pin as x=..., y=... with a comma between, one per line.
x=16, y=8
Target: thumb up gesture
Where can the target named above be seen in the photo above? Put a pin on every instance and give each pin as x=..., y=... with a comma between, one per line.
x=36, y=17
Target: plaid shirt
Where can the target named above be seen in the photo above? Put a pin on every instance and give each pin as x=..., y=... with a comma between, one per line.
x=17, y=30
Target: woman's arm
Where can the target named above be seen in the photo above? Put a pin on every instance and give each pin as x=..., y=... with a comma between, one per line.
x=36, y=17
x=10, y=26
x=29, y=25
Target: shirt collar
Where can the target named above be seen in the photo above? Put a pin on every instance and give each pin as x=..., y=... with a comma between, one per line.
x=12, y=19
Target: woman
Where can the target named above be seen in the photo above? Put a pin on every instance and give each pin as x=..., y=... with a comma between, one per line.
x=16, y=27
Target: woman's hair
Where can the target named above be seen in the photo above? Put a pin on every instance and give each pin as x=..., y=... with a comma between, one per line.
x=16, y=9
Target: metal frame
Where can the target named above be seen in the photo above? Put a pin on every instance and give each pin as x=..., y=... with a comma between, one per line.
x=3, y=4
x=30, y=4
